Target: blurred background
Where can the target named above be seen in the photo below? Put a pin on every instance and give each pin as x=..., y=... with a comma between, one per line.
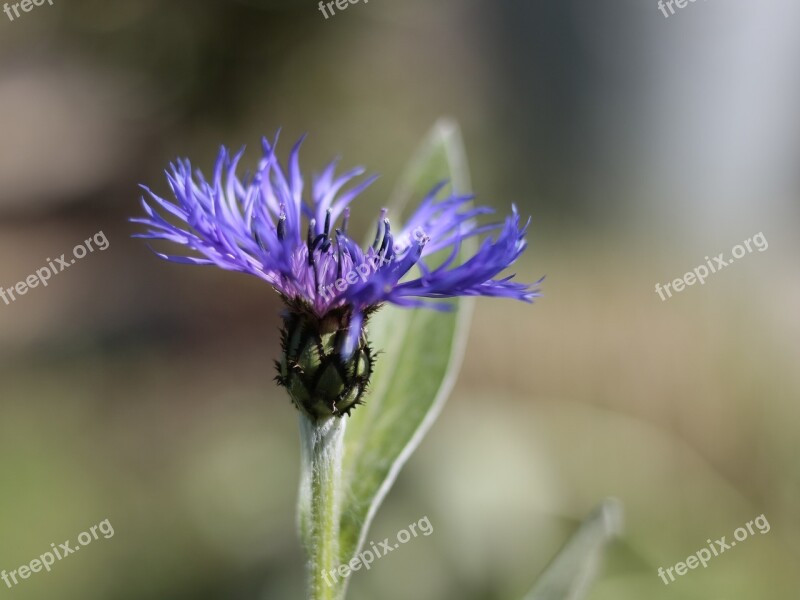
x=141, y=392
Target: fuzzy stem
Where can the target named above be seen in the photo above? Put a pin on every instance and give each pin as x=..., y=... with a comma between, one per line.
x=320, y=490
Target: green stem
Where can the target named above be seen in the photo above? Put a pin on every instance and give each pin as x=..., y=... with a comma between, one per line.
x=320, y=489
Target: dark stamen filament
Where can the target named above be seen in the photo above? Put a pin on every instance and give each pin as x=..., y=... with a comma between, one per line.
x=310, y=241
x=339, y=267
x=387, y=237
x=378, y=232
x=327, y=222
x=282, y=227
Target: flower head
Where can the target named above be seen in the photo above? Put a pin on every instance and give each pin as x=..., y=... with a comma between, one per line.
x=264, y=225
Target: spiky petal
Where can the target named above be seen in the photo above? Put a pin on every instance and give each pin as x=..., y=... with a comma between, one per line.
x=262, y=225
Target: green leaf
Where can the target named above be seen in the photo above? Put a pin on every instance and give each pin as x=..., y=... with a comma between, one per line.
x=441, y=156
x=421, y=355
x=572, y=571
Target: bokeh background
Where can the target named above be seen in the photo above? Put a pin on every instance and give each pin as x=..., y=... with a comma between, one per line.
x=141, y=392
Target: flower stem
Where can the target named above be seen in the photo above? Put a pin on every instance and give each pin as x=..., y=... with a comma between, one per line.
x=320, y=489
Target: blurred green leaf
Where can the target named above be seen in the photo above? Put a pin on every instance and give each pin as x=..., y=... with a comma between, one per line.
x=422, y=352
x=572, y=571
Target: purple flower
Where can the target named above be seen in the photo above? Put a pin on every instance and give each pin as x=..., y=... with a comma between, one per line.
x=263, y=225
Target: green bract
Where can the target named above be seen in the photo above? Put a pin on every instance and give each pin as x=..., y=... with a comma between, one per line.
x=320, y=381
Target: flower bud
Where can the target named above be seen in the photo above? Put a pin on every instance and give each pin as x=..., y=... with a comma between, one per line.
x=320, y=381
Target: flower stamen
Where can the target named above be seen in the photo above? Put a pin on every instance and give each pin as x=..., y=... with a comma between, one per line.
x=282, y=225
x=381, y=219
